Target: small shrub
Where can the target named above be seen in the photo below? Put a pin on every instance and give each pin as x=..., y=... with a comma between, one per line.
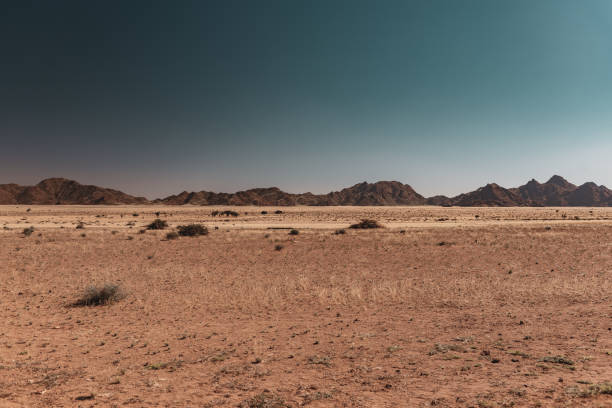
x=557, y=360
x=157, y=224
x=192, y=230
x=229, y=213
x=278, y=212
x=604, y=388
x=103, y=295
x=366, y=224
x=339, y=232
x=172, y=235
x=28, y=231
x=278, y=247
x=264, y=400
x=214, y=213
x=142, y=231
x=264, y=212
x=80, y=225
x=294, y=232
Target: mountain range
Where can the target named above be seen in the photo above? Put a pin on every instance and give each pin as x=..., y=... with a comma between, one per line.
x=555, y=192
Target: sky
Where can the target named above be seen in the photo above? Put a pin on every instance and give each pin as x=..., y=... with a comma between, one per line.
x=157, y=97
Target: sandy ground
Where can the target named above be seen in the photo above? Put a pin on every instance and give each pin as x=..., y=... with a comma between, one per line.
x=445, y=307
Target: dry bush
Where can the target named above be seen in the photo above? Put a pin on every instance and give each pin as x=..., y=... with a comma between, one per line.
x=103, y=295
x=28, y=231
x=264, y=400
x=366, y=224
x=294, y=232
x=172, y=235
x=192, y=230
x=157, y=224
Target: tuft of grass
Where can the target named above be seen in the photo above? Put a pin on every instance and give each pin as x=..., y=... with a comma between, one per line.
x=227, y=213
x=157, y=224
x=294, y=232
x=192, y=230
x=28, y=231
x=264, y=400
x=366, y=224
x=322, y=360
x=339, y=232
x=172, y=235
x=557, y=360
x=278, y=247
x=80, y=225
x=597, y=389
x=100, y=295
x=278, y=212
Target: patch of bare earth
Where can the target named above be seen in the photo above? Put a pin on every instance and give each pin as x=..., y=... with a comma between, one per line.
x=447, y=307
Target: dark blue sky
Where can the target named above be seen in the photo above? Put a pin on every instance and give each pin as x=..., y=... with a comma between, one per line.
x=157, y=97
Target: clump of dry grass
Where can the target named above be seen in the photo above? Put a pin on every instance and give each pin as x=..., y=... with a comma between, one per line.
x=157, y=224
x=100, y=295
x=28, y=231
x=604, y=388
x=366, y=224
x=294, y=232
x=192, y=230
x=264, y=400
x=172, y=235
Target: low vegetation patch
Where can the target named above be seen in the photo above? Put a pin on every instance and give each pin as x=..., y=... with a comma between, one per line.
x=172, y=235
x=157, y=224
x=28, y=231
x=264, y=400
x=100, y=295
x=227, y=213
x=321, y=360
x=294, y=232
x=192, y=230
x=366, y=224
x=557, y=360
x=597, y=389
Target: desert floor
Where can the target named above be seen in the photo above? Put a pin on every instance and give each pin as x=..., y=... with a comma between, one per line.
x=445, y=307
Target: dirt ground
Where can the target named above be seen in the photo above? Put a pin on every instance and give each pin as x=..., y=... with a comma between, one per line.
x=444, y=307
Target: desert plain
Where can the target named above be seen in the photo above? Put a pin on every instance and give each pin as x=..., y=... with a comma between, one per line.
x=444, y=307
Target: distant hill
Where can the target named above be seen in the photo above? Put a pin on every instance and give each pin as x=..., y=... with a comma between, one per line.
x=559, y=192
x=490, y=195
x=555, y=192
x=63, y=191
x=380, y=193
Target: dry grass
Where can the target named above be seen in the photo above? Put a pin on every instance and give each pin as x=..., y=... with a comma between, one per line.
x=157, y=224
x=100, y=295
x=353, y=318
x=192, y=230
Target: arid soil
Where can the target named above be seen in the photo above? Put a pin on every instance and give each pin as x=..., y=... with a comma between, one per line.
x=445, y=307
